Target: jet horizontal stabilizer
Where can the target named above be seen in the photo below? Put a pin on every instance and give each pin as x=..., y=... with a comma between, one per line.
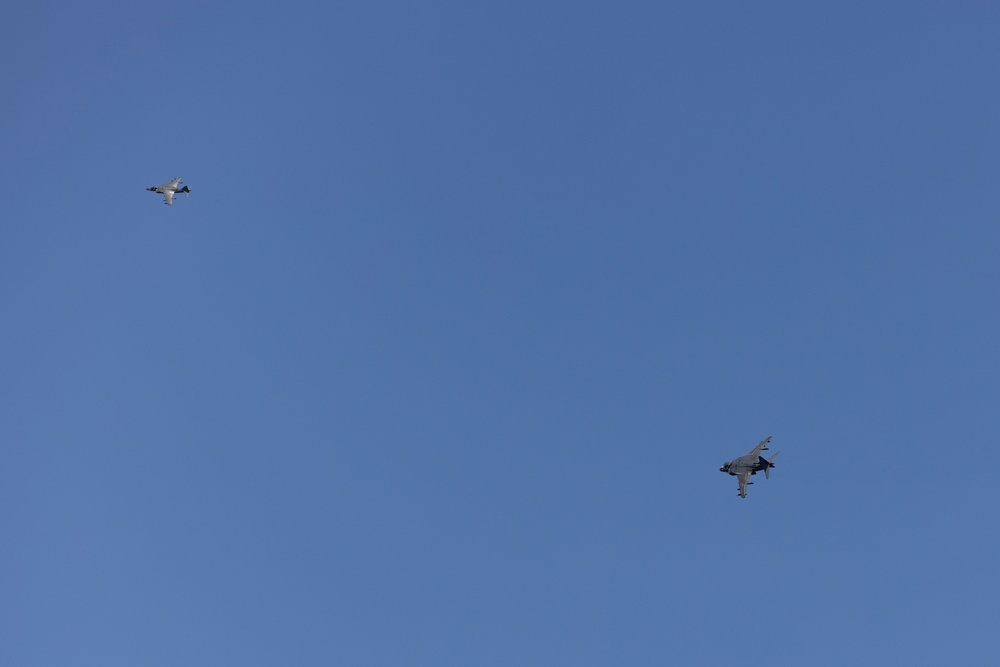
x=768, y=464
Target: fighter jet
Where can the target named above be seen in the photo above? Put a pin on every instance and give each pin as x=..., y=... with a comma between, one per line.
x=168, y=190
x=750, y=464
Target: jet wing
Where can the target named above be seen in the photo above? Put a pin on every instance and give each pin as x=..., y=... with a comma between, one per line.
x=172, y=185
x=744, y=477
x=760, y=447
x=169, y=196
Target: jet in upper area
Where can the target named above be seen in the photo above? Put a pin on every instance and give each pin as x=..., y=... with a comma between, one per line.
x=750, y=464
x=168, y=190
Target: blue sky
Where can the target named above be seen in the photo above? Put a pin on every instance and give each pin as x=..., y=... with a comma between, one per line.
x=439, y=361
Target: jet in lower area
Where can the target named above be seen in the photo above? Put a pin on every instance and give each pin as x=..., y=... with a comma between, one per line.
x=750, y=464
x=168, y=190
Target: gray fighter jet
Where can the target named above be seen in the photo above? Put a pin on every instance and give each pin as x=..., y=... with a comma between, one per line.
x=750, y=464
x=168, y=190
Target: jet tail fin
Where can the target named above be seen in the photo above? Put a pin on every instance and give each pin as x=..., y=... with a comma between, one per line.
x=770, y=464
x=186, y=190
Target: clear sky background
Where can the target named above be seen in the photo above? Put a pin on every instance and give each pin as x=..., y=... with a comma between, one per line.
x=438, y=363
